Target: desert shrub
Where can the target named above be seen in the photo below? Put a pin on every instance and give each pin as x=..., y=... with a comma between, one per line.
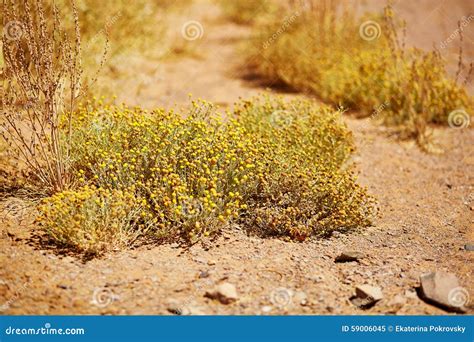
x=93, y=220
x=361, y=64
x=308, y=186
x=192, y=175
x=128, y=25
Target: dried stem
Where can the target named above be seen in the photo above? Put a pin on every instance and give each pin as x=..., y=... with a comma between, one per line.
x=41, y=84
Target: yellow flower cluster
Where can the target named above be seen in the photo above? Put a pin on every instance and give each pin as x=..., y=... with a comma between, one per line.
x=308, y=185
x=168, y=175
x=93, y=220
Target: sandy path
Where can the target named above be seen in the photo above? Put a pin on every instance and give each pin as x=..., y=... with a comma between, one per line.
x=209, y=67
x=426, y=202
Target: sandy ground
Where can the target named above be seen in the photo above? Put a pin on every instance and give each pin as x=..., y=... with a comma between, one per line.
x=426, y=218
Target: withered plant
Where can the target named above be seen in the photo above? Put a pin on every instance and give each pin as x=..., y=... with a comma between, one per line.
x=41, y=83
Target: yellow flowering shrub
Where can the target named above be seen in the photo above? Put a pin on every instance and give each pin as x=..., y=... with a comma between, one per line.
x=307, y=184
x=93, y=220
x=278, y=168
x=326, y=52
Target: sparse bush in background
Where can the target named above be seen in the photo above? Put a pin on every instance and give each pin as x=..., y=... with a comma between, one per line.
x=188, y=177
x=129, y=25
x=131, y=30
x=361, y=64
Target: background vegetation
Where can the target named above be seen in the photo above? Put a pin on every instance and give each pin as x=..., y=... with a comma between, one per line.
x=363, y=64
